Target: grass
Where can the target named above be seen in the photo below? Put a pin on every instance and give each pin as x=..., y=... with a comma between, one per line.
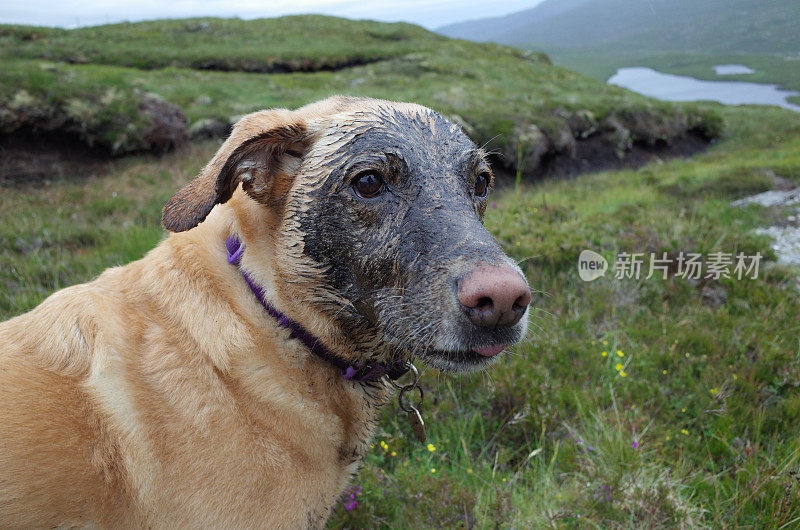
x=701, y=432
x=501, y=92
x=262, y=45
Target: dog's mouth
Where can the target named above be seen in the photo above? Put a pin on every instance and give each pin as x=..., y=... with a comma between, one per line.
x=490, y=351
x=464, y=360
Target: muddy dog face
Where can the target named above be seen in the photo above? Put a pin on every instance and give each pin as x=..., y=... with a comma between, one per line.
x=380, y=209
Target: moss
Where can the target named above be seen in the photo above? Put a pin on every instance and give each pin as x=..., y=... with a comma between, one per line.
x=497, y=91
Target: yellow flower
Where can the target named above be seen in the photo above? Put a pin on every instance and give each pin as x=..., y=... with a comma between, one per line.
x=604, y=354
x=684, y=432
x=683, y=409
x=620, y=354
x=433, y=470
x=394, y=453
x=384, y=445
x=605, y=343
x=668, y=437
x=559, y=496
x=622, y=373
x=663, y=372
x=431, y=448
x=735, y=377
x=687, y=355
x=618, y=367
x=714, y=391
x=633, y=407
x=469, y=470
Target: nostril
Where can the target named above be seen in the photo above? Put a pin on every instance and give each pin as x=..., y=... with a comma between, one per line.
x=523, y=301
x=484, y=303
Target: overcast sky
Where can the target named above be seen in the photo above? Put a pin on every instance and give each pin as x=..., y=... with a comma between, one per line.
x=428, y=13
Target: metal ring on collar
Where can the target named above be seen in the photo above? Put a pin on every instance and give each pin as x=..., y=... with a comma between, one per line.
x=413, y=384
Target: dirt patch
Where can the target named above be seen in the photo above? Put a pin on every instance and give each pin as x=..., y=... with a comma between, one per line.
x=290, y=66
x=32, y=158
x=600, y=153
x=27, y=157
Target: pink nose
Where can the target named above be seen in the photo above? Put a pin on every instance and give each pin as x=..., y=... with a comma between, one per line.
x=493, y=296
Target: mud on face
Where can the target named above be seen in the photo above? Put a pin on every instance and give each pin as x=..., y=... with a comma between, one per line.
x=388, y=206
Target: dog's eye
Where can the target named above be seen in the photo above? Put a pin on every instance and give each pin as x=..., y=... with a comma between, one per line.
x=482, y=185
x=368, y=184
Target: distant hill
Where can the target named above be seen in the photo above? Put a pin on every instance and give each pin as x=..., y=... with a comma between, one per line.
x=264, y=45
x=707, y=26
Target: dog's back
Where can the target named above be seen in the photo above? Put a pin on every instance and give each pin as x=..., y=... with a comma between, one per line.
x=58, y=463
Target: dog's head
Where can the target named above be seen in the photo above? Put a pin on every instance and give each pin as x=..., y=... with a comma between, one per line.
x=373, y=211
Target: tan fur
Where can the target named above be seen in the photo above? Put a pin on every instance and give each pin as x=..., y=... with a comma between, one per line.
x=162, y=395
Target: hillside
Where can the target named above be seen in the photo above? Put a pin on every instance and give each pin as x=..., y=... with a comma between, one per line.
x=263, y=45
x=112, y=86
x=596, y=37
x=723, y=26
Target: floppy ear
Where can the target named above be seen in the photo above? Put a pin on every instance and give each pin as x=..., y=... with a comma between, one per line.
x=262, y=164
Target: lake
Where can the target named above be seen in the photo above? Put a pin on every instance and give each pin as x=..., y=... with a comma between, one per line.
x=670, y=87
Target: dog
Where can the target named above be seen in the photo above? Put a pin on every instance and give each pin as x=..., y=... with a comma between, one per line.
x=233, y=376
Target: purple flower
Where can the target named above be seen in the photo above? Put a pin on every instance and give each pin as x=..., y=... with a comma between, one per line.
x=635, y=444
x=350, y=503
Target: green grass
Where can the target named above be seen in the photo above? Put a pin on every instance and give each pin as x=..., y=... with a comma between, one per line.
x=500, y=92
x=308, y=42
x=546, y=437
x=512, y=445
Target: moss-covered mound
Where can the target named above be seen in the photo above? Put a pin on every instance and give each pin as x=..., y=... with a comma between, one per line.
x=95, y=82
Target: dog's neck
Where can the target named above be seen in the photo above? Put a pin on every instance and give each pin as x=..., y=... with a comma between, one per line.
x=358, y=372
x=263, y=368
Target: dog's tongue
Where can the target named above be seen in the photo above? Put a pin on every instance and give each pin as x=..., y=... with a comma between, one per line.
x=490, y=351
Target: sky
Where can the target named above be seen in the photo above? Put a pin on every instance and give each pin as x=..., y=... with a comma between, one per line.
x=428, y=13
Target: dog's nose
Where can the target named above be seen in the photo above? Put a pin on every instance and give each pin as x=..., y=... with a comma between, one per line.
x=493, y=296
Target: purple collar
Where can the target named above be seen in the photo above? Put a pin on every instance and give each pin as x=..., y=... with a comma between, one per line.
x=358, y=372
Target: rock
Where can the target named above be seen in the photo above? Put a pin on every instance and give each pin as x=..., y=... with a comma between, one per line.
x=785, y=243
x=167, y=128
x=531, y=145
x=209, y=128
x=771, y=198
x=582, y=123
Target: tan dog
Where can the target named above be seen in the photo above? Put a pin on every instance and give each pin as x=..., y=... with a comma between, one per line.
x=164, y=394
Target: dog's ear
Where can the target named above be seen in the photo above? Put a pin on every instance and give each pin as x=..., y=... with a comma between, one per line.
x=263, y=163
